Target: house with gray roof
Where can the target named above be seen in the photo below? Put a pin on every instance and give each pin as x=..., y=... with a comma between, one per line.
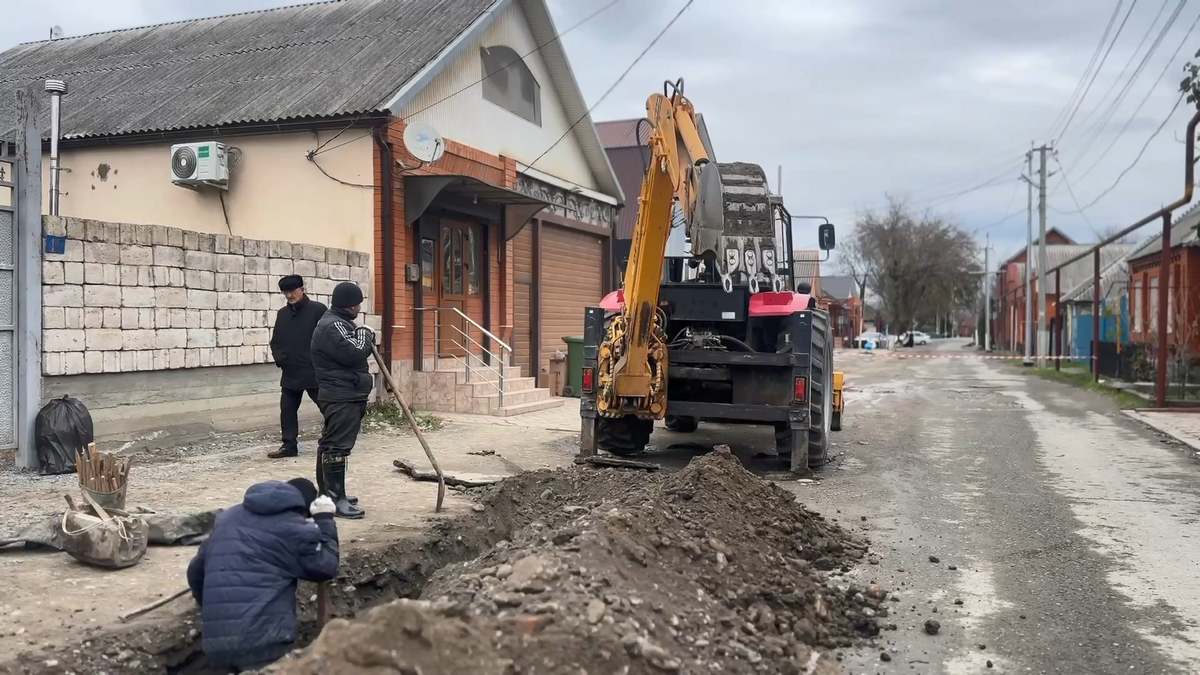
x=447, y=140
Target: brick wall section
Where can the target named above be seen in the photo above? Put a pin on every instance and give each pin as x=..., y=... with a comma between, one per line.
x=125, y=298
x=458, y=159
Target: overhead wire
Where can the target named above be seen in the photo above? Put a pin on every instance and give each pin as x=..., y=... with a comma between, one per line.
x=1099, y=67
x=1086, y=71
x=620, y=78
x=1136, y=159
x=1066, y=181
x=1110, y=110
x=1133, y=116
x=520, y=59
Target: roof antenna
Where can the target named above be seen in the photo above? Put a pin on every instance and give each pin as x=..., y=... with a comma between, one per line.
x=56, y=32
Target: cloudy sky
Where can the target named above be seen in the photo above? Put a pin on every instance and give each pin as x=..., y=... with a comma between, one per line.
x=921, y=99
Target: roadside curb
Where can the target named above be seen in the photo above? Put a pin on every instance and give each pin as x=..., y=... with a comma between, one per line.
x=1137, y=415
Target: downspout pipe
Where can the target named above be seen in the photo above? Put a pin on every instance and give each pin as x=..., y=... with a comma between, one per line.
x=387, y=222
x=57, y=89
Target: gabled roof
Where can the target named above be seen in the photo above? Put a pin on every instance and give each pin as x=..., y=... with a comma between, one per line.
x=1052, y=234
x=339, y=58
x=319, y=60
x=1183, y=233
x=1077, y=277
x=808, y=267
x=838, y=287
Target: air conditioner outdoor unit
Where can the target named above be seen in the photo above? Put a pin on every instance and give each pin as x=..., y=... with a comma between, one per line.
x=200, y=165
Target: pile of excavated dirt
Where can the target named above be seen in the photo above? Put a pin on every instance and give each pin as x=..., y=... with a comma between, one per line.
x=710, y=569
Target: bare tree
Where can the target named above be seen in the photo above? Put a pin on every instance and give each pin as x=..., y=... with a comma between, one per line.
x=850, y=261
x=919, y=266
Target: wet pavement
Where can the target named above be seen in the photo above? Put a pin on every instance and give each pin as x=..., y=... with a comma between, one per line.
x=1066, y=535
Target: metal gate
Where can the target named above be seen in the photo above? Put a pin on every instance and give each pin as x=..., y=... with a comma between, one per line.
x=8, y=299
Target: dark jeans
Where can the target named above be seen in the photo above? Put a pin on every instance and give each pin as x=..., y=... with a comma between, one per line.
x=343, y=420
x=289, y=403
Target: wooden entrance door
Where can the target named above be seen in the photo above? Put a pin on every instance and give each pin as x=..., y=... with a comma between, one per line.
x=459, y=283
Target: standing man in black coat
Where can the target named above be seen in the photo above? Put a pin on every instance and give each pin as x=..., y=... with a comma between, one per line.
x=340, y=351
x=290, y=344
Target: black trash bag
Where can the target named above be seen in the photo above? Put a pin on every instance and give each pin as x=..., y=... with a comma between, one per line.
x=63, y=427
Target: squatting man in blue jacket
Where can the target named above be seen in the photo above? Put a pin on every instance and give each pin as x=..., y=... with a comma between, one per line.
x=244, y=576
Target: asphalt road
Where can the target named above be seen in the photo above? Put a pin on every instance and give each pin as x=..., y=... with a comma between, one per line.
x=1074, y=531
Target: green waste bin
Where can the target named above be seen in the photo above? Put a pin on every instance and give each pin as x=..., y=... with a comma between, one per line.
x=574, y=385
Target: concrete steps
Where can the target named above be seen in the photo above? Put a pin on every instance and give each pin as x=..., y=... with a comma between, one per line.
x=450, y=390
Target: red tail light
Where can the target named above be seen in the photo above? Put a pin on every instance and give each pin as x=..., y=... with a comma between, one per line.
x=801, y=389
x=589, y=380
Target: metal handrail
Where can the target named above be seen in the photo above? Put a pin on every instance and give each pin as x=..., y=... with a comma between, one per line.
x=502, y=359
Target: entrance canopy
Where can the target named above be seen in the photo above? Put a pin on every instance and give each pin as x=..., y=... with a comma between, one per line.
x=514, y=208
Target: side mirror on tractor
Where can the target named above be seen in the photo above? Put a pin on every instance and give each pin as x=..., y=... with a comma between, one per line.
x=825, y=237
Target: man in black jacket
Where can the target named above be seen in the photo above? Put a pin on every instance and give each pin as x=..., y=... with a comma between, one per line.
x=340, y=351
x=290, y=344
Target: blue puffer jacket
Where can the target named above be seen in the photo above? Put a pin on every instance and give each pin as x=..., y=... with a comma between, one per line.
x=244, y=576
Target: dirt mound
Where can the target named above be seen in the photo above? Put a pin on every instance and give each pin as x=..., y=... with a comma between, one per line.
x=707, y=570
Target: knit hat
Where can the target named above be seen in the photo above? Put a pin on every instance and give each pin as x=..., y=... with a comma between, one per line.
x=306, y=488
x=291, y=282
x=346, y=294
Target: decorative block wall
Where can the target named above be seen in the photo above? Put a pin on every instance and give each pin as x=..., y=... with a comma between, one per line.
x=124, y=298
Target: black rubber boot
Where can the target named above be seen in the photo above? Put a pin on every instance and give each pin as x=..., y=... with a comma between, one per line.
x=334, y=468
x=284, y=451
x=321, y=480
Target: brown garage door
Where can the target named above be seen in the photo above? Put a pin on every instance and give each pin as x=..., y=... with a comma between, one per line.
x=571, y=279
x=523, y=299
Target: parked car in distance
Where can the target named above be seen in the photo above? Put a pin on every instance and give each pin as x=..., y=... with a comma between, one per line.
x=918, y=338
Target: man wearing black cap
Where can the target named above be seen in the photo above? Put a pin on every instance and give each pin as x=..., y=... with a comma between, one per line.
x=340, y=351
x=290, y=344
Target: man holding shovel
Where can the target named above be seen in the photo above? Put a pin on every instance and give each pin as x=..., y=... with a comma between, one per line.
x=340, y=351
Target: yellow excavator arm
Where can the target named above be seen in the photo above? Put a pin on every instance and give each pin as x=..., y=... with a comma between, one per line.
x=632, y=359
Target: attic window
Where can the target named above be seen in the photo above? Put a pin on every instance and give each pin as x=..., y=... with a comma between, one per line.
x=509, y=83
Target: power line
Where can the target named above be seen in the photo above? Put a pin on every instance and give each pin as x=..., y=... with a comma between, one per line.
x=1137, y=159
x=1096, y=72
x=1142, y=103
x=1062, y=169
x=587, y=113
x=1091, y=62
x=520, y=59
x=1107, y=115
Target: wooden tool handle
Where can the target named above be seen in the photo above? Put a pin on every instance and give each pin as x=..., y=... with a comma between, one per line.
x=412, y=421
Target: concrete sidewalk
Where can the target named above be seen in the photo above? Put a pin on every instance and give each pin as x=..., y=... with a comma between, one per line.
x=51, y=599
x=1183, y=426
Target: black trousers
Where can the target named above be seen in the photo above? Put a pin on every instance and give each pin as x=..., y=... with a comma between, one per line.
x=343, y=420
x=289, y=403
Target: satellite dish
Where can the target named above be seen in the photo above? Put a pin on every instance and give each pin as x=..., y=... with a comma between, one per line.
x=56, y=32
x=423, y=142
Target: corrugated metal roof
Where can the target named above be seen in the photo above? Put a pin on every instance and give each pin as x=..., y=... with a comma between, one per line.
x=808, y=267
x=1081, y=271
x=318, y=60
x=1183, y=233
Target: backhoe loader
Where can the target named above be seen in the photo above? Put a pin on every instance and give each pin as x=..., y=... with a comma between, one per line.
x=719, y=335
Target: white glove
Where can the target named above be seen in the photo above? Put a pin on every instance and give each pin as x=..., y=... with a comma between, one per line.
x=322, y=504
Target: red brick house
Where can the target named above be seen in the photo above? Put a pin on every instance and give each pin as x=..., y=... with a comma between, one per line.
x=1183, y=300
x=1008, y=329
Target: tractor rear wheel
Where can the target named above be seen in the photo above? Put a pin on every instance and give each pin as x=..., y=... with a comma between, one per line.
x=684, y=425
x=623, y=436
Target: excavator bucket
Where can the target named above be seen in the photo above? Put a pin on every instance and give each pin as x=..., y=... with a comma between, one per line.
x=707, y=224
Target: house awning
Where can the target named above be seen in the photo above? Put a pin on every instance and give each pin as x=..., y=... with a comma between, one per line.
x=420, y=192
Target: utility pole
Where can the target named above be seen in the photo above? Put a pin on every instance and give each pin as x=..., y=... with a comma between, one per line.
x=1043, y=332
x=987, y=295
x=1028, y=257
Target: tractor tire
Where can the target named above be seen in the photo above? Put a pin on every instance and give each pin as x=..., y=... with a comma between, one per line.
x=820, y=387
x=683, y=425
x=623, y=436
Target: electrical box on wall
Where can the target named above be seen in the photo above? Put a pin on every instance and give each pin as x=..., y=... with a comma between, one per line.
x=200, y=165
x=412, y=272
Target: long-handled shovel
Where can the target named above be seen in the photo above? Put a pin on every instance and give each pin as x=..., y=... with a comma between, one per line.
x=412, y=421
